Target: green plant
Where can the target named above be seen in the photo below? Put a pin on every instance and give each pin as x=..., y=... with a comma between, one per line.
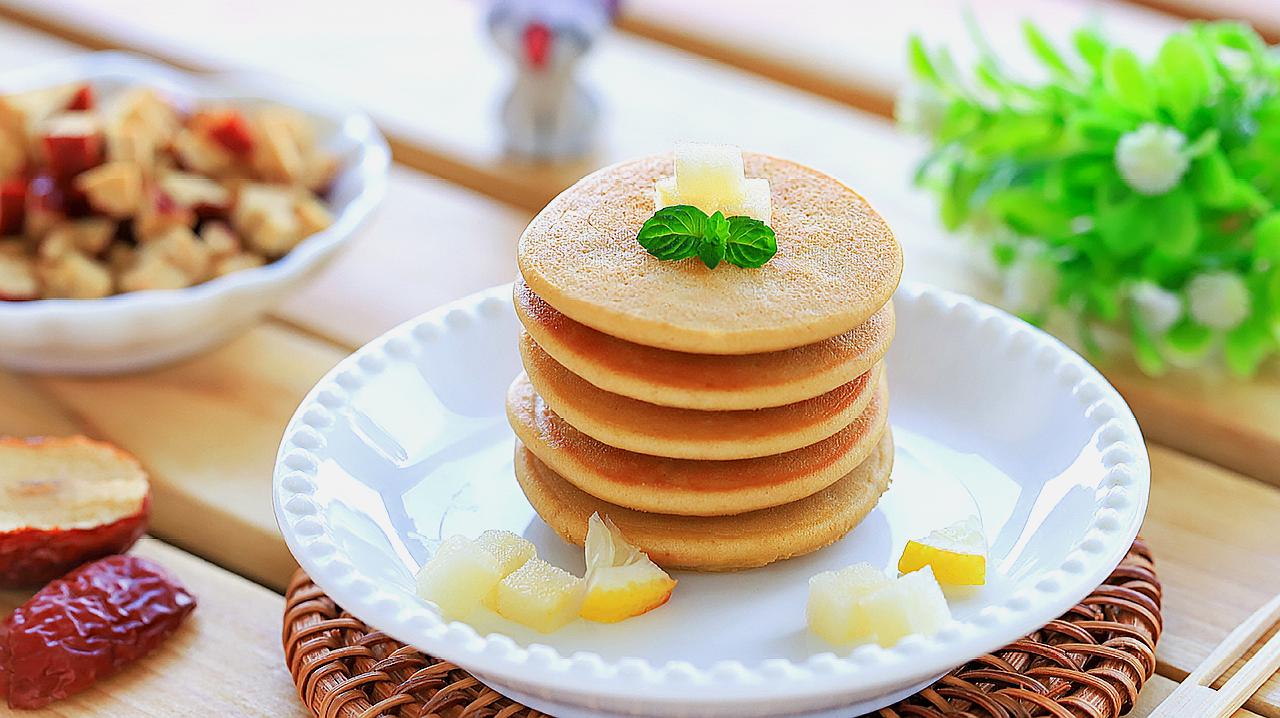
x=1136, y=195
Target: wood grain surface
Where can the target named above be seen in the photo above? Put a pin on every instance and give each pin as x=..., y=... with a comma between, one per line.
x=225, y=660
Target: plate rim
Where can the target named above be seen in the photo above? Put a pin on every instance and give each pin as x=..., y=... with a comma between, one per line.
x=1121, y=499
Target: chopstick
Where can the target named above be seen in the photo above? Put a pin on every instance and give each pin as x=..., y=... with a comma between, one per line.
x=1195, y=697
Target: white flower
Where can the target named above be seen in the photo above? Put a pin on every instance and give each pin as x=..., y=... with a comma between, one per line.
x=1150, y=159
x=1218, y=299
x=1029, y=284
x=1158, y=308
x=920, y=108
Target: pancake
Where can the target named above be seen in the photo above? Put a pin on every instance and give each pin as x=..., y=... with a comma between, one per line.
x=837, y=264
x=646, y=428
x=682, y=486
x=704, y=381
x=716, y=543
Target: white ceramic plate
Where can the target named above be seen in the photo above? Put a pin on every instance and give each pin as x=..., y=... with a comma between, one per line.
x=406, y=443
x=132, y=331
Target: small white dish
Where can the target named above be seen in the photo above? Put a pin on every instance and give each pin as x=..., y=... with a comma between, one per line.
x=133, y=331
x=406, y=443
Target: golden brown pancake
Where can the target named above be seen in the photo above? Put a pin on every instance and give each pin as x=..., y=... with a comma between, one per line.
x=704, y=381
x=837, y=264
x=682, y=486
x=715, y=543
x=646, y=428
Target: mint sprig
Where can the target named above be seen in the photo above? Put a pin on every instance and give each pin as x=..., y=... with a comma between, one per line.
x=682, y=231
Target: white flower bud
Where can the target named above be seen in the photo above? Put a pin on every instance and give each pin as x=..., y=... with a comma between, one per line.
x=1158, y=308
x=1150, y=159
x=1218, y=299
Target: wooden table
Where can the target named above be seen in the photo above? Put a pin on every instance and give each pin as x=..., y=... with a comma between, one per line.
x=207, y=428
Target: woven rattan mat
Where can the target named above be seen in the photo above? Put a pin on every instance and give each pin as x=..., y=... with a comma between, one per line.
x=1089, y=663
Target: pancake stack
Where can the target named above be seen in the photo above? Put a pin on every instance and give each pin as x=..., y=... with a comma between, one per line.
x=724, y=418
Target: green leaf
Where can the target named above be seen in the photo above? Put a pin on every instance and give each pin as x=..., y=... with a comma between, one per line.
x=1044, y=50
x=1246, y=346
x=1174, y=222
x=1204, y=144
x=1090, y=47
x=1213, y=181
x=711, y=249
x=1183, y=75
x=673, y=232
x=1126, y=82
x=918, y=59
x=1145, y=351
x=1266, y=239
x=1189, y=339
x=750, y=243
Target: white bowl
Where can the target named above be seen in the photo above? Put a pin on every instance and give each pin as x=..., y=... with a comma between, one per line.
x=406, y=443
x=141, y=329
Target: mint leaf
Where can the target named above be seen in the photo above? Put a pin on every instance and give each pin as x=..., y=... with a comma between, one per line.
x=674, y=232
x=711, y=249
x=750, y=243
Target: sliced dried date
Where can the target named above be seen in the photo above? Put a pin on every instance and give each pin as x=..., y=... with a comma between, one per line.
x=87, y=625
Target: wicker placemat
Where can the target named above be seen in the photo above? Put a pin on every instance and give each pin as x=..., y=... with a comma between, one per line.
x=1089, y=663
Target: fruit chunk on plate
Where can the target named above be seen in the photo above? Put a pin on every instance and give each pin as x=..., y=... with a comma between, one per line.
x=957, y=554
x=540, y=596
x=621, y=579
x=502, y=571
x=860, y=603
x=711, y=177
x=64, y=501
x=463, y=573
x=834, y=612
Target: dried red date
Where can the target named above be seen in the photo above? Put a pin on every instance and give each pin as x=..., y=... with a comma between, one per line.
x=87, y=625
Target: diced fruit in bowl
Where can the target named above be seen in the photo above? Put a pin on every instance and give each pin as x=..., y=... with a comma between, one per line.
x=913, y=604
x=64, y=501
x=72, y=143
x=860, y=603
x=833, y=611
x=540, y=596
x=621, y=580
x=957, y=554
x=458, y=577
x=151, y=167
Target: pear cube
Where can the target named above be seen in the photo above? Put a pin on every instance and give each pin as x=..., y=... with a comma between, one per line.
x=833, y=610
x=709, y=176
x=756, y=201
x=540, y=596
x=458, y=576
x=912, y=604
x=511, y=550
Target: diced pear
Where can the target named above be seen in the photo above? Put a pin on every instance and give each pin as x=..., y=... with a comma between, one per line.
x=512, y=552
x=458, y=576
x=665, y=193
x=756, y=201
x=833, y=609
x=510, y=549
x=709, y=176
x=540, y=596
x=912, y=604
